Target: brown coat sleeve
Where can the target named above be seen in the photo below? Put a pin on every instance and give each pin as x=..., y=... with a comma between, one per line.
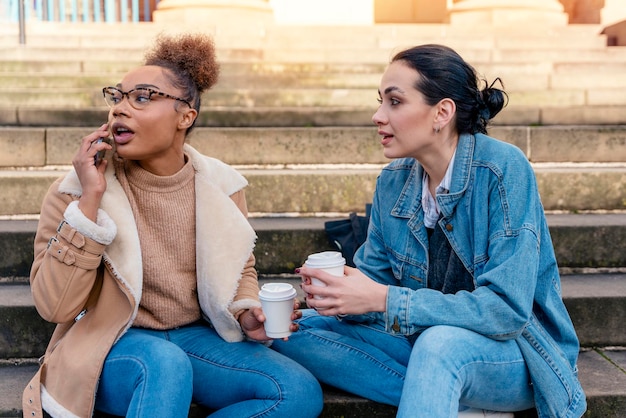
x=65, y=263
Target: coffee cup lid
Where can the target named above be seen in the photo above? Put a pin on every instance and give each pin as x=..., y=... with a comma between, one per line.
x=325, y=259
x=277, y=291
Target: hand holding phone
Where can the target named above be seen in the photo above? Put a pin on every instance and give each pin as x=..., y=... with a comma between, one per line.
x=97, y=159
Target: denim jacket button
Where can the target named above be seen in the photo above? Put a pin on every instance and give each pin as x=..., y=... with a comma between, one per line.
x=396, y=325
x=449, y=227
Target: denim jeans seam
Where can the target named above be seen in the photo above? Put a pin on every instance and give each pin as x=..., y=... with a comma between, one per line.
x=140, y=363
x=219, y=365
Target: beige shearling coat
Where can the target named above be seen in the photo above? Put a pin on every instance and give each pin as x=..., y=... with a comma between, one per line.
x=87, y=278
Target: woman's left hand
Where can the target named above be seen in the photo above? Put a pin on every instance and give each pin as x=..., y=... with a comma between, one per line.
x=354, y=293
x=252, y=320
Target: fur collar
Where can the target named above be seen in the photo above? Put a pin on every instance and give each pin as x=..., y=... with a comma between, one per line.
x=224, y=239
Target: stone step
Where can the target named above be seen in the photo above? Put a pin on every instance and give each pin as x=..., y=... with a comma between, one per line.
x=27, y=77
x=332, y=53
x=235, y=73
x=556, y=68
x=310, y=37
x=578, y=167
x=289, y=116
x=306, y=189
x=596, y=303
x=602, y=372
x=581, y=241
x=53, y=146
x=250, y=76
x=546, y=91
x=565, y=95
x=20, y=78
x=548, y=88
x=90, y=74
x=543, y=55
x=92, y=31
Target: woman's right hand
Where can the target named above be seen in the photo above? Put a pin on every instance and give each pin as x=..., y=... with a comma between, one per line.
x=91, y=177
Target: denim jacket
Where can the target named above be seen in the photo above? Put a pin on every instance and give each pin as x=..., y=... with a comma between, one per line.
x=495, y=222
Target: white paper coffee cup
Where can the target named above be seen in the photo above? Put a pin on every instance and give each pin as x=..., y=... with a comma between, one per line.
x=332, y=262
x=277, y=303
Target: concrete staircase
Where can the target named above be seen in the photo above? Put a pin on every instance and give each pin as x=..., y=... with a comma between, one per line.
x=293, y=112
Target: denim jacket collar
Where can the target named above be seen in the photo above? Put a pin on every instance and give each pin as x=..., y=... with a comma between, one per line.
x=407, y=206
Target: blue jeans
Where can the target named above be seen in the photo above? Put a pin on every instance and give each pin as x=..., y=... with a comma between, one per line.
x=151, y=373
x=362, y=359
x=447, y=369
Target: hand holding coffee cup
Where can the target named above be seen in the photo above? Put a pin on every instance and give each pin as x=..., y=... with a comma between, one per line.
x=332, y=262
x=277, y=301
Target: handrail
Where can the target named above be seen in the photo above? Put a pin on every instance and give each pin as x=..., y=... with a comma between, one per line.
x=76, y=11
x=22, y=19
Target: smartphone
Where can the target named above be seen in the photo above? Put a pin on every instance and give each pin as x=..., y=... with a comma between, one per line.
x=100, y=154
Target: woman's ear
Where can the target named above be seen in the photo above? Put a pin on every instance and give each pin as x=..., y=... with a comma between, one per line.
x=446, y=109
x=187, y=118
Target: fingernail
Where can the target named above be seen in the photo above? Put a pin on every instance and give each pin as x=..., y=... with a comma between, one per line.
x=297, y=270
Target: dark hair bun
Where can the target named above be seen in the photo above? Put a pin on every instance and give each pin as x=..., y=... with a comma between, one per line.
x=494, y=99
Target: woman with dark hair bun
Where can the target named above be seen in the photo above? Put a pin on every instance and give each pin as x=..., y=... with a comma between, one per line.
x=454, y=307
x=144, y=258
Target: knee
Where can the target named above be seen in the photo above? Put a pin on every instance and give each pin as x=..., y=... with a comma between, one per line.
x=308, y=398
x=308, y=385
x=441, y=341
x=168, y=363
x=300, y=391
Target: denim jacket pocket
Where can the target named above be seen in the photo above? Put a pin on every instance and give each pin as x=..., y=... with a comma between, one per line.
x=558, y=392
x=411, y=274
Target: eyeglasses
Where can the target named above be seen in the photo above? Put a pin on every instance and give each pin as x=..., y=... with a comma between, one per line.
x=138, y=98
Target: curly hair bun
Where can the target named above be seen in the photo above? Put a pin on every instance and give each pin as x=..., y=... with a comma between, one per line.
x=191, y=54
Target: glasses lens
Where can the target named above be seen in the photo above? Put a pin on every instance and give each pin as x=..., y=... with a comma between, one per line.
x=139, y=97
x=112, y=96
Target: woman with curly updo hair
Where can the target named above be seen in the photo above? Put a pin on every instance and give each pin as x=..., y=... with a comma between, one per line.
x=454, y=307
x=144, y=259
